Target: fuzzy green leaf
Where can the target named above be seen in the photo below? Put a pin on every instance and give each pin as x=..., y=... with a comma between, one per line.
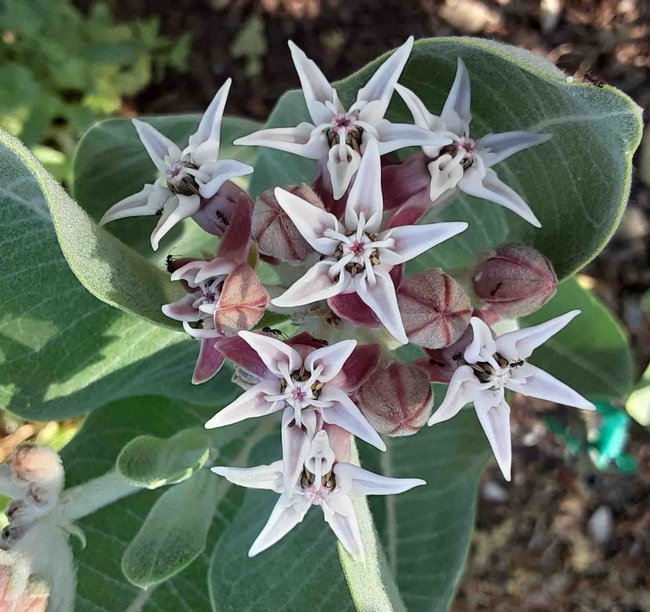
x=151, y=462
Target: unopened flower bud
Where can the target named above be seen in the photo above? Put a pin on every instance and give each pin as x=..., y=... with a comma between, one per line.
x=435, y=310
x=39, y=465
x=274, y=232
x=515, y=280
x=397, y=400
x=34, y=597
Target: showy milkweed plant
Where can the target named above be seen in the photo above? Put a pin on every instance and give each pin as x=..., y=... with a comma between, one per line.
x=338, y=308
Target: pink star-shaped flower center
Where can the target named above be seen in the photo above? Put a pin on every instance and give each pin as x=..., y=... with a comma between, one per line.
x=343, y=120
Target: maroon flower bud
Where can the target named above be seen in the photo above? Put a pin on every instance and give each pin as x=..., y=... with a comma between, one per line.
x=435, y=310
x=397, y=399
x=515, y=280
x=217, y=212
x=442, y=363
x=38, y=465
x=273, y=230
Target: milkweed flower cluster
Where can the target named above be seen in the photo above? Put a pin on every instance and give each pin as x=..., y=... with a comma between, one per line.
x=337, y=249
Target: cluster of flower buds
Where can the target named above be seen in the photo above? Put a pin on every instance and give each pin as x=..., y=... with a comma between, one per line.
x=337, y=249
x=33, y=477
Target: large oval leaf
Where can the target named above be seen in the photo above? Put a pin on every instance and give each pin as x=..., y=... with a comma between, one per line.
x=62, y=351
x=577, y=184
x=101, y=584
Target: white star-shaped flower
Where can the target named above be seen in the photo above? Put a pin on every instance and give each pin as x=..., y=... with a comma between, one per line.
x=358, y=254
x=466, y=163
x=322, y=481
x=187, y=177
x=338, y=135
x=309, y=382
x=492, y=364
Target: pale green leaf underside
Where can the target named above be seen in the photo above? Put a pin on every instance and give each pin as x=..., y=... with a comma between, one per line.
x=592, y=354
x=577, y=184
x=153, y=462
x=63, y=352
x=101, y=584
x=175, y=532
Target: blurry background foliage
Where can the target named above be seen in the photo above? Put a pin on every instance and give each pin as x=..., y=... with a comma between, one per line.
x=60, y=71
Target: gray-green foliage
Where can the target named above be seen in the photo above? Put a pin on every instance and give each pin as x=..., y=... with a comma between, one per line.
x=153, y=462
x=64, y=352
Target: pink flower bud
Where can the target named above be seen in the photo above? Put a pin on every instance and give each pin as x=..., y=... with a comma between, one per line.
x=435, y=310
x=34, y=598
x=397, y=399
x=515, y=280
x=275, y=233
x=217, y=212
x=38, y=465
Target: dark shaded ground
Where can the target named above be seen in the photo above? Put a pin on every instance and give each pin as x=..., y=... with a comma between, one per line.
x=533, y=550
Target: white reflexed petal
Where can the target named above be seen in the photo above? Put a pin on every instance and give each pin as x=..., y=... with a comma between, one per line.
x=157, y=145
x=445, y=173
x=413, y=240
x=204, y=144
x=482, y=344
x=342, y=411
x=342, y=163
x=149, y=201
x=339, y=514
x=330, y=359
x=463, y=388
x=482, y=182
x=275, y=354
x=456, y=112
x=283, y=519
x=314, y=286
x=379, y=89
x=496, y=425
x=295, y=445
x=221, y=172
x=315, y=86
x=394, y=136
x=310, y=221
x=421, y=116
x=542, y=385
x=183, y=309
x=365, y=195
x=176, y=209
x=201, y=333
x=521, y=343
x=494, y=148
x=219, y=266
x=381, y=298
x=357, y=482
x=248, y=405
x=260, y=477
x=303, y=140
x=188, y=272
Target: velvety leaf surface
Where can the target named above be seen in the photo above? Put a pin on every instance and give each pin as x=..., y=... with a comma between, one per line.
x=577, y=184
x=62, y=351
x=153, y=462
x=174, y=533
x=110, y=270
x=426, y=532
x=592, y=354
x=92, y=453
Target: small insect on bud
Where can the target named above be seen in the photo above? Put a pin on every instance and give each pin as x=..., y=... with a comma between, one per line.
x=38, y=465
x=435, y=310
x=515, y=280
x=275, y=234
x=397, y=400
